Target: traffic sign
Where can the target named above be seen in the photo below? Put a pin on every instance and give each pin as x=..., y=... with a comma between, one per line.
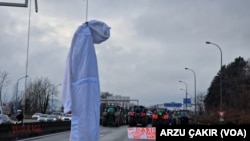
x=221, y=114
x=187, y=101
x=172, y=104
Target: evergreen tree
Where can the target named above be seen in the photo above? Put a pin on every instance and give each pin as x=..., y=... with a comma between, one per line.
x=235, y=88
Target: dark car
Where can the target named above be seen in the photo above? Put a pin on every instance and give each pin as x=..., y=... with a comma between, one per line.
x=137, y=116
x=4, y=119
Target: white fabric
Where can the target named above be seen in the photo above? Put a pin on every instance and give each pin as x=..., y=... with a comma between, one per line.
x=80, y=89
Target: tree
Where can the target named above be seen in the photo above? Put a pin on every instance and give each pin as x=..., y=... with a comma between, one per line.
x=4, y=81
x=200, y=103
x=236, y=87
x=38, y=94
x=236, y=82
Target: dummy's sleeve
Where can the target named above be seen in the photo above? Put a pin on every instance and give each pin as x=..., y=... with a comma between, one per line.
x=66, y=85
x=66, y=88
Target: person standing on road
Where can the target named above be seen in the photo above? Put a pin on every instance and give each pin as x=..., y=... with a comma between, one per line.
x=80, y=89
x=19, y=116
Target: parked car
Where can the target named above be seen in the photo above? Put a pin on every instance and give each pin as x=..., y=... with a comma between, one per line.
x=58, y=114
x=66, y=117
x=36, y=115
x=42, y=118
x=51, y=118
x=5, y=119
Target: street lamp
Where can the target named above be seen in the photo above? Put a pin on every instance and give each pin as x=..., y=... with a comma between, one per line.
x=194, y=93
x=186, y=91
x=220, y=71
x=17, y=90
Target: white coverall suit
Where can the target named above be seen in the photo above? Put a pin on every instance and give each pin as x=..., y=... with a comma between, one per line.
x=81, y=89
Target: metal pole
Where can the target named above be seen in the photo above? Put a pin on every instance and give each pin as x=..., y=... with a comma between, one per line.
x=12, y=4
x=186, y=96
x=194, y=94
x=220, y=73
x=17, y=92
x=186, y=99
x=36, y=6
x=15, y=4
x=186, y=91
x=52, y=109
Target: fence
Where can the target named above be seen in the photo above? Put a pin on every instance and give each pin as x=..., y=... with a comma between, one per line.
x=10, y=132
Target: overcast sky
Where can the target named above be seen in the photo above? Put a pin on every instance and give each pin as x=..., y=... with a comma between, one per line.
x=151, y=43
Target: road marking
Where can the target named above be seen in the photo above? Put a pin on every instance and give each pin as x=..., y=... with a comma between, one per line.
x=101, y=135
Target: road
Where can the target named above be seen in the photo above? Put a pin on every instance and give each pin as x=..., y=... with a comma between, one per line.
x=106, y=134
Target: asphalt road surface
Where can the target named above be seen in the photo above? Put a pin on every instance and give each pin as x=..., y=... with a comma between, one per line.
x=106, y=134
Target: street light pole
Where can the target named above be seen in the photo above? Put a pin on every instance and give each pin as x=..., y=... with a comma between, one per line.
x=194, y=93
x=186, y=92
x=17, y=91
x=220, y=73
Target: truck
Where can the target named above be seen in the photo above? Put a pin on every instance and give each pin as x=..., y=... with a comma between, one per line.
x=183, y=117
x=137, y=116
x=113, y=116
x=160, y=116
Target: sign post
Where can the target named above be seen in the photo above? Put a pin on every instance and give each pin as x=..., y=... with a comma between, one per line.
x=221, y=115
x=187, y=102
x=173, y=104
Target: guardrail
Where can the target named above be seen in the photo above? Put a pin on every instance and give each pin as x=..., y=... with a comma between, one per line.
x=10, y=132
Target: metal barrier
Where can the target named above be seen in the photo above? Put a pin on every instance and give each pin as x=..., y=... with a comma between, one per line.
x=12, y=132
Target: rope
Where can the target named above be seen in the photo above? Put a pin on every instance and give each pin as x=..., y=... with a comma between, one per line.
x=87, y=6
